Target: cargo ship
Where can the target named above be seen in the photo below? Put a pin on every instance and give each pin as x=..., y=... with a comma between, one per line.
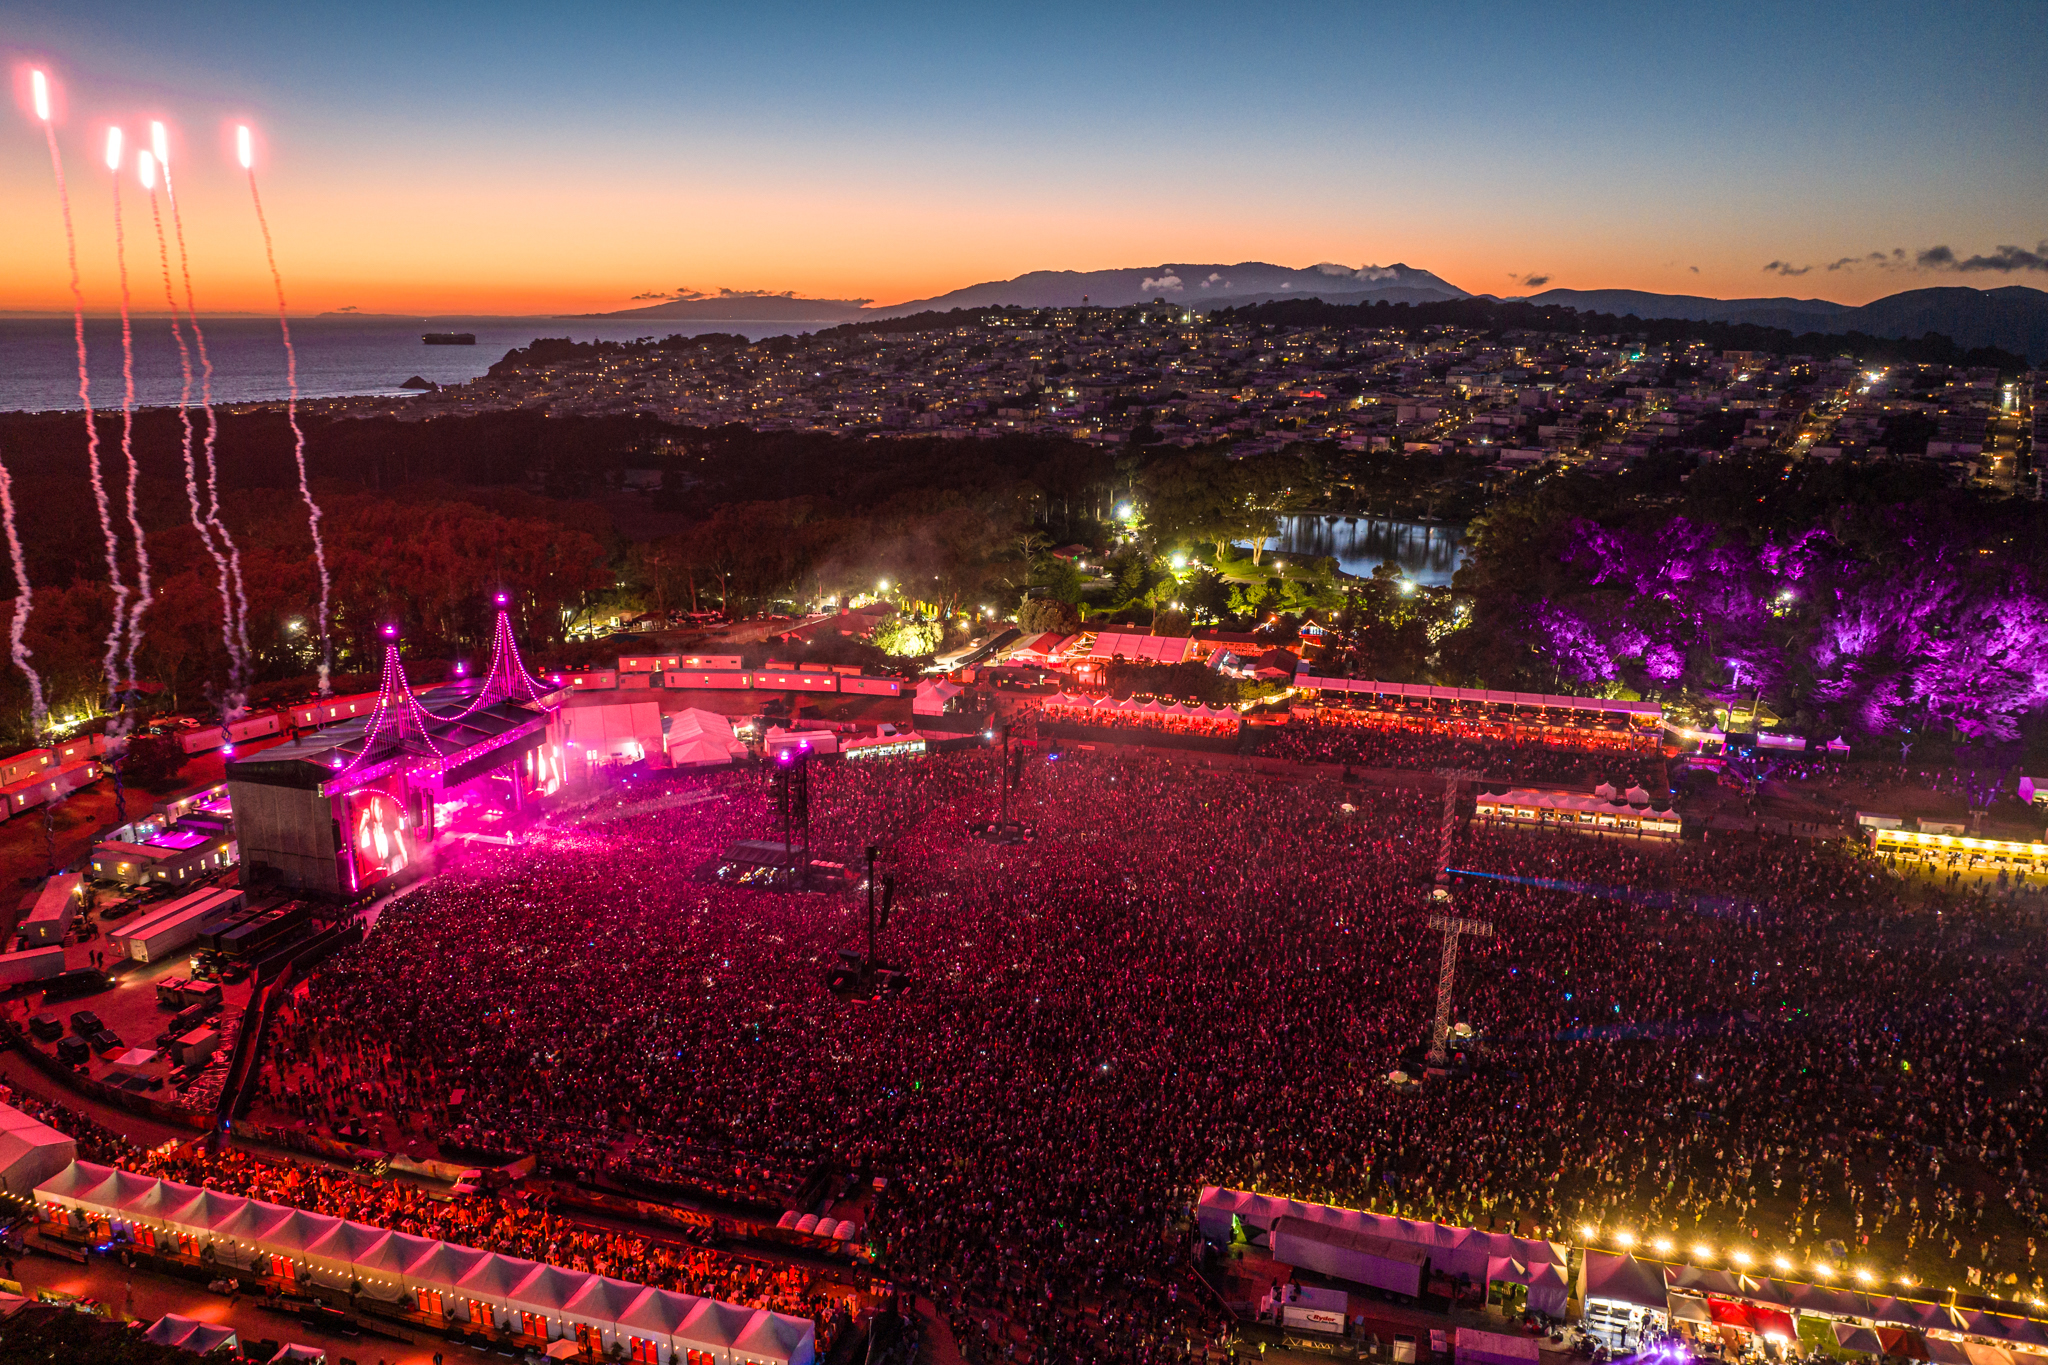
x=449, y=338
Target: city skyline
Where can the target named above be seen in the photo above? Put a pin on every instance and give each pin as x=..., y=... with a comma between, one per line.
x=899, y=154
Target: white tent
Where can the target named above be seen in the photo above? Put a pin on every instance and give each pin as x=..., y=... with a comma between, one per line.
x=713, y=1328
x=933, y=696
x=777, y=1339
x=493, y=1278
x=337, y=1257
x=545, y=1292
x=381, y=1267
x=238, y=1237
x=190, y=1334
x=702, y=739
x=441, y=1271
x=598, y=1304
x=30, y=1151
x=67, y=1190
x=655, y=1318
x=612, y=732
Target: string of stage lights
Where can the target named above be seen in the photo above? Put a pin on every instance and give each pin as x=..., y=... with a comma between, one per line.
x=131, y=591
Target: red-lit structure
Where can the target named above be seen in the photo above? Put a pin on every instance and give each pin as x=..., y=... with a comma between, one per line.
x=367, y=801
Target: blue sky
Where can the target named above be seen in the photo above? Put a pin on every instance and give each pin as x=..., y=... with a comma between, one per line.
x=452, y=155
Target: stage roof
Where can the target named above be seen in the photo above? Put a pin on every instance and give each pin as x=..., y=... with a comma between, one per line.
x=333, y=760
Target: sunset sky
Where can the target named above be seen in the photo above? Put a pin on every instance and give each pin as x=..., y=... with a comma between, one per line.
x=514, y=158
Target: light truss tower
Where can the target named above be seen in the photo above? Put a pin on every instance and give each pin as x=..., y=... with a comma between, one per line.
x=507, y=679
x=398, y=717
x=1452, y=927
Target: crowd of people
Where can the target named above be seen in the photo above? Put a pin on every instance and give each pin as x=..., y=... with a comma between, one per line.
x=1193, y=976
x=1374, y=739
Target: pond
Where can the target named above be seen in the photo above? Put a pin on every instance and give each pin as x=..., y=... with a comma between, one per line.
x=1428, y=552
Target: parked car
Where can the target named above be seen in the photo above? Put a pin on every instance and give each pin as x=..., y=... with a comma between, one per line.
x=85, y=1023
x=76, y=982
x=47, y=1027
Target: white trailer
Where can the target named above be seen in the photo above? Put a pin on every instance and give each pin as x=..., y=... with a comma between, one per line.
x=49, y=787
x=207, y=738
x=50, y=918
x=37, y=964
x=156, y=936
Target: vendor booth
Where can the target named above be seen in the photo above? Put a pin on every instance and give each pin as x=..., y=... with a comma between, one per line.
x=1624, y=1298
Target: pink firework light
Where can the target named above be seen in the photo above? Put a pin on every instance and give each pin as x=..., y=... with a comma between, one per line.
x=41, y=92
x=133, y=626
x=245, y=152
x=238, y=654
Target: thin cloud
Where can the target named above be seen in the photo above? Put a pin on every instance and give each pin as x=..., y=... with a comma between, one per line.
x=1535, y=281
x=2005, y=260
x=1694, y=269
x=1169, y=282
x=1786, y=268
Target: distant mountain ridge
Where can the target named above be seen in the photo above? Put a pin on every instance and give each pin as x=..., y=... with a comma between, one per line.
x=2013, y=318
x=1211, y=285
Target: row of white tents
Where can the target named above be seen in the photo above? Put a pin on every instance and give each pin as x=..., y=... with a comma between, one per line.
x=1132, y=706
x=541, y=1302
x=1484, y=1257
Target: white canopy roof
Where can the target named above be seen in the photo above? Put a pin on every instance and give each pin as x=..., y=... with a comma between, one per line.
x=444, y=1267
x=776, y=1338
x=493, y=1278
x=657, y=1312
x=697, y=738
x=714, y=1326
x=546, y=1288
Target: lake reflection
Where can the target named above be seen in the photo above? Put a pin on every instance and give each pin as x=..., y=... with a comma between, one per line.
x=1427, y=554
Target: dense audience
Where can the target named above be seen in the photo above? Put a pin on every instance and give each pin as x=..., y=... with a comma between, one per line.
x=1490, y=749
x=1197, y=977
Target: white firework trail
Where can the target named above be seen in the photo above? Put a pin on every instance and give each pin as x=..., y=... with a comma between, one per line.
x=24, y=602
x=246, y=152
x=239, y=654
x=146, y=164
x=140, y=603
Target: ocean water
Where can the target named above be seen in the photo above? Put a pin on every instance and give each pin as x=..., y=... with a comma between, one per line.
x=1429, y=553
x=338, y=356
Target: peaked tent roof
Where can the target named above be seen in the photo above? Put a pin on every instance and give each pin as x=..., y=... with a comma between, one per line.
x=497, y=1276
x=715, y=1324
x=658, y=1310
x=74, y=1182
x=602, y=1299
x=775, y=1337
x=548, y=1288
x=445, y=1266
